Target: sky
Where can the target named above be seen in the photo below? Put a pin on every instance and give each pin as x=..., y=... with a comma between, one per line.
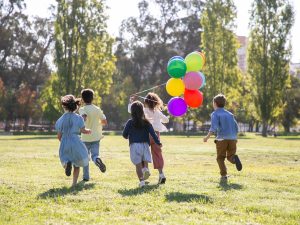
x=122, y=9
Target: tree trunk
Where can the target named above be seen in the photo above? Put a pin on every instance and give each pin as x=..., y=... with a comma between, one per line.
x=7, y=126
x=264, y=128
x=250, y=129
x=287, y=128
x=257, y=126
x=26, y=123
x=50, y=126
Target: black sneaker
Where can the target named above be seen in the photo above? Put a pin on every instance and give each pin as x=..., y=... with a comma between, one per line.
x=162, y=180
x=68, y=169
x=101, y=165
x=238, y=163
x=85, y=180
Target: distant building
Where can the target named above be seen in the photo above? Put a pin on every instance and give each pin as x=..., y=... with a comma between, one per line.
x=295, y=69
x=242, y=53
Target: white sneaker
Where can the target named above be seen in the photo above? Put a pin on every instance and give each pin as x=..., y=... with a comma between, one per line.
x=146, y=173
x=142, y=184
x=224, y=179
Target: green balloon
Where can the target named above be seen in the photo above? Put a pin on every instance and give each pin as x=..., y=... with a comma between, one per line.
x=194, y=62
x=176, y=68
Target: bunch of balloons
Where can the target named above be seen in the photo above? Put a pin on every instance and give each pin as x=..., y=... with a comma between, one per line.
x=186, y=79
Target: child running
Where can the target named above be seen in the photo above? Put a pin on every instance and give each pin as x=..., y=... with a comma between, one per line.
x=225, y=127
x=71, y=150
x=94, y=120
x=153, y=106
x=137, y=130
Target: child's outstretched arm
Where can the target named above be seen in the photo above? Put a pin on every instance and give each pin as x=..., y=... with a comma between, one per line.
x=236, y=125
x=59, y=135
x=131, y=100
x=85, y=131
x=153, y=134
x=205, y=139
x=103, y=120
x=163, y=118
x=213, y=128
x=126, y=131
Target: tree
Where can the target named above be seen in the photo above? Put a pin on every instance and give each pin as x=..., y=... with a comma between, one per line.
x=83, y=47
x=291, y=111
x=152, y=40
x=49, y=101
x=24, y=68
x=146, y=43
x=269, y=55
x=220, y=45
x=246, y=111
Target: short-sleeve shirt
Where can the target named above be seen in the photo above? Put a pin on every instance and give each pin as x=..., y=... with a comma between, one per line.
x=94, y=115
x=69, y=123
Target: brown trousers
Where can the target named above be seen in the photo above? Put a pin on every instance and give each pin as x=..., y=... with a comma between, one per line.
x=225, y=149
x=158, y=160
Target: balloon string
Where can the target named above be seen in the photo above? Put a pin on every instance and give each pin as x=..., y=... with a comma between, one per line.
x=148, y=99
x=149, y=89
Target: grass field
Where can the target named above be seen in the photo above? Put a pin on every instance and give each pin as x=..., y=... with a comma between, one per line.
x=34, y=189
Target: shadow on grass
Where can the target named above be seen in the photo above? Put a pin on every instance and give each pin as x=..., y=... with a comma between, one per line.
x=291, y=138
x=37, y=138
x=185, y=197
x=59, y=192
x=29, y=138
x=137, y=191
x=225, y=186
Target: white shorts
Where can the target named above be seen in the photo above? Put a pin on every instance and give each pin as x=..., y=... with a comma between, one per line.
x=140, y=152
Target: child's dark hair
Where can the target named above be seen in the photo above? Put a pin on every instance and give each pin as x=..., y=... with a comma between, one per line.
x=87, y=95
x=220, y=100
x=138, y=115
x=70, y=103
x=153, y=101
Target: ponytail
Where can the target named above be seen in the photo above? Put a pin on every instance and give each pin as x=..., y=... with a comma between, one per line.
x=70, y=103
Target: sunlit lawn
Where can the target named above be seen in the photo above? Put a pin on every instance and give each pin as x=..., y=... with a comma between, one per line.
x=34, y=189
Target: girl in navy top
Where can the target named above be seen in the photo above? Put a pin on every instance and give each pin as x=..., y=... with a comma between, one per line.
x=137, y=130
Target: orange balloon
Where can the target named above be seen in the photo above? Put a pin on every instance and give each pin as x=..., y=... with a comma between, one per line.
x=193, y=98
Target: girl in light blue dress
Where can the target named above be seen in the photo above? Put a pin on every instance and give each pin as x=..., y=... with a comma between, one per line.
x=72, y=151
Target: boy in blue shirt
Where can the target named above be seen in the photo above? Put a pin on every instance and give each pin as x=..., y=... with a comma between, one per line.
x=224, y=126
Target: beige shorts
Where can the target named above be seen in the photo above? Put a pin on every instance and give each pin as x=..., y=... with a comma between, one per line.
x=140, y=152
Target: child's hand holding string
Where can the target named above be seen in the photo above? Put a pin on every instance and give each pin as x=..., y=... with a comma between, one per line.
x=132, y=99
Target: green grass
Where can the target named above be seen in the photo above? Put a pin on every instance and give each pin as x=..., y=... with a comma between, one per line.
x=34, y=189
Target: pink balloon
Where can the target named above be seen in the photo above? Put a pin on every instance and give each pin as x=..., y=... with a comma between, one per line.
x=193, y=80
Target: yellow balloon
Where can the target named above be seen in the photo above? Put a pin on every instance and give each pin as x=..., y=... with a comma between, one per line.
x=175, y=87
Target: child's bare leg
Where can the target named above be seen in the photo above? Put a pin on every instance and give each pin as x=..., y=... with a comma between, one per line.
x=145, y=165
x=139, y=172
x=75, y=175
x=145, y=170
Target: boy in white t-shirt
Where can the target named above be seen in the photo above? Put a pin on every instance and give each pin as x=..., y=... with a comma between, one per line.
x=94, y=120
